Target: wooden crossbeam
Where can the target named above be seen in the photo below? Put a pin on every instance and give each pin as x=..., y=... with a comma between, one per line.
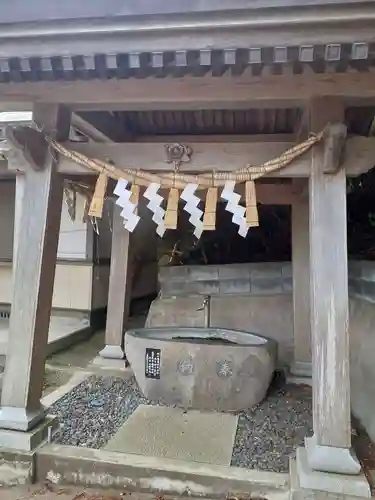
x=358, y=157
x=226, y=92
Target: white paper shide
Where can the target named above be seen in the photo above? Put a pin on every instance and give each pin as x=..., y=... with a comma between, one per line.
x=131, y=219
x=235, y=208
x=155, y=201
x=191, y=207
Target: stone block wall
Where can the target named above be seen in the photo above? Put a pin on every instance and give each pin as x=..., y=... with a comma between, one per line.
x=362, y=366
x=263, y=278
x=362, y=342
x=362, y=279
x=269, y=278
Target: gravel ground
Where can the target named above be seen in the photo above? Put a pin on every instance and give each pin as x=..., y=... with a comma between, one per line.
x=93, y=411
x=266, y=435
x=269, y=433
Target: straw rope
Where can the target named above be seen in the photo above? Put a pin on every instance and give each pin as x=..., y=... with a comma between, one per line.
x=180, y=180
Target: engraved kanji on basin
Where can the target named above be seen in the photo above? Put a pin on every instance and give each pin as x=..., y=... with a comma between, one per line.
x=185, y=366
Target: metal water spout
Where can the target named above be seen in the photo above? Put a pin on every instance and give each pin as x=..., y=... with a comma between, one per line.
x=206, y=307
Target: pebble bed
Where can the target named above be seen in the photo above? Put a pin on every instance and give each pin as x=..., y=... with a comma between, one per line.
x=266, y=436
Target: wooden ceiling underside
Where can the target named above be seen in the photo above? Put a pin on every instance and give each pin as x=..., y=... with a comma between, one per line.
x=221, y=122
x=209, y=121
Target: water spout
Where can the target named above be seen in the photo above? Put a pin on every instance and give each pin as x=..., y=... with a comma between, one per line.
x=206, y=307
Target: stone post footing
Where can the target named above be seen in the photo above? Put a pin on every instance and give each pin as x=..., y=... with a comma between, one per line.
x=331, y=459
x=303, y=477
x=100, y=363
x=112, y=352
x=31, y=439
x=20, y=419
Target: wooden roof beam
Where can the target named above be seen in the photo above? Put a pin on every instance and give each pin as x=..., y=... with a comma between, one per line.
x=226, y=92
x=89, y=130
x=99, y=126
x=358, y=157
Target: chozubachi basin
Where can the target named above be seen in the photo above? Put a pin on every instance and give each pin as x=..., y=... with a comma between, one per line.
x=202, y=368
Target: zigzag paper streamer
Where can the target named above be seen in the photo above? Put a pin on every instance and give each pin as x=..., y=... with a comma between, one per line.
x=155, y=201
x=235, y=208
x=128, y=208
x=191, y=207
x=124, y=194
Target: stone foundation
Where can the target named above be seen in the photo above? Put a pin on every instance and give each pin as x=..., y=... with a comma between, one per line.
x=16, y=468
x=268, y=278
x=362, y=280
x=257, y=278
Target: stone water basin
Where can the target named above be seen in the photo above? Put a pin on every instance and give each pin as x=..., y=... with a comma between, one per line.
x=202, y=368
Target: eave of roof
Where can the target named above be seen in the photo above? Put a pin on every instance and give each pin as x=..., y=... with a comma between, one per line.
x=38, y=11
x=336, y=57
x=254, y=34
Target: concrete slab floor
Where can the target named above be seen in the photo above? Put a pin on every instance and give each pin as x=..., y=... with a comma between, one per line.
x=82, y=353
x=53, y=379
x=61, y=327
x=164, y=432
x=48, y=492
x=78, y=355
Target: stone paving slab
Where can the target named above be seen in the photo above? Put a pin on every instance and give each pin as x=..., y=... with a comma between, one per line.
x=172, y=433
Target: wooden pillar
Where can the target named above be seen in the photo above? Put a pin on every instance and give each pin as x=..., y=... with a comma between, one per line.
x=120, y=281
x=20, y=189
x=34, y=273
x=301, y=287
x=329, y=448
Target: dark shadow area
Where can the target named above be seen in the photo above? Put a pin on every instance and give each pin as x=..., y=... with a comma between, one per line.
x=269, y=242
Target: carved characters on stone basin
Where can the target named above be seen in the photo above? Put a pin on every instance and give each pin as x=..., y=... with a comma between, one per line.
x=224, y=368
x=185, y=366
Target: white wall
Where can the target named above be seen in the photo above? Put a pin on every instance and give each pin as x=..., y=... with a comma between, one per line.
x=73, y=281
x=7, y=192
x=72, y=289
x=73, y=234
x=83, y=283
